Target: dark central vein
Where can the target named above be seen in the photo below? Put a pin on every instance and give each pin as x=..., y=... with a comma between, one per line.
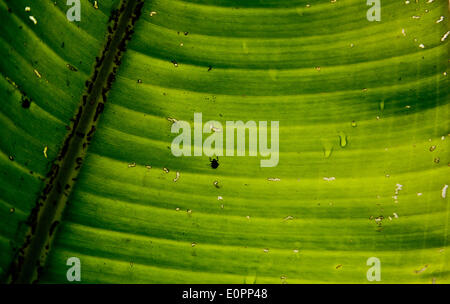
x=47, y=213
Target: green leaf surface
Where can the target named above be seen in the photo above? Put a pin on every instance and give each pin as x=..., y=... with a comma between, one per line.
x=364, y=131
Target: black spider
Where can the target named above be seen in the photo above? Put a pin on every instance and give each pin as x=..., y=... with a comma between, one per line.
x=214, y=162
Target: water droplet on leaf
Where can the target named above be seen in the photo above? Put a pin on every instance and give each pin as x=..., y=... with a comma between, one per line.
x=342, y=139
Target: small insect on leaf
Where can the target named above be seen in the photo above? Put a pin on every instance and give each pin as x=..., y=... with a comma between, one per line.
x=36, y=72
x=421, y=270
x=71, y=67
x=214, y=162
x=177, y=176
x=45, y=151
x=33, y=19
x=12, y=82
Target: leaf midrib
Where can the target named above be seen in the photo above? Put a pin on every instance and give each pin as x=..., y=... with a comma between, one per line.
x=50, y=204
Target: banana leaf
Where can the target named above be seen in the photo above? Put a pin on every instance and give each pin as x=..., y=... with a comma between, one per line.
x=363, y=112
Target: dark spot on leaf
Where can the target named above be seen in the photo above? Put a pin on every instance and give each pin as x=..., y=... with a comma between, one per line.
x=26, y=102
